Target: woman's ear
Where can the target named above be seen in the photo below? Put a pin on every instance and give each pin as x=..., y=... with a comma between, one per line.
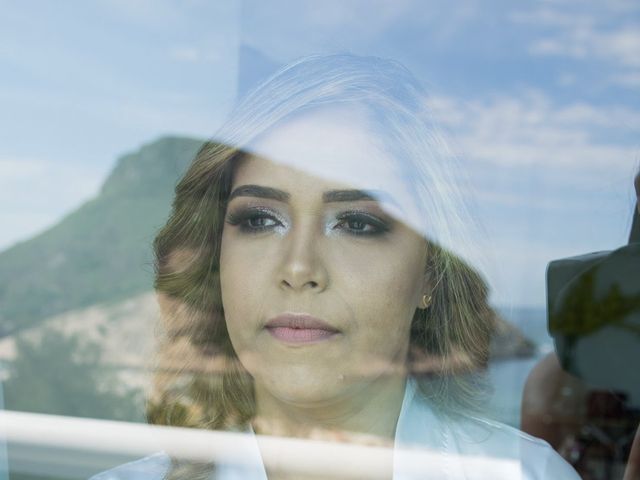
x=425, y=301
x=427, y=281
x=427, y=291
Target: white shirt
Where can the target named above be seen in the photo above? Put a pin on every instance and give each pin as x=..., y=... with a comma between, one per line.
x=450, y=447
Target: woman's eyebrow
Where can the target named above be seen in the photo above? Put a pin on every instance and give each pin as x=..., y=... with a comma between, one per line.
x=346, y=196
x=358, y=195
x=330, y=196
x=259, y=192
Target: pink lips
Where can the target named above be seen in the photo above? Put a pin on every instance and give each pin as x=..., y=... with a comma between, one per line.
x=300, y=328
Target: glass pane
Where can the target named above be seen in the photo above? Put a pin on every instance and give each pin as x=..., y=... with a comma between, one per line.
x=242, y=238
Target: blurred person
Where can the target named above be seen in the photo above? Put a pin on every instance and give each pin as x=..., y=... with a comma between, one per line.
x=583, y=397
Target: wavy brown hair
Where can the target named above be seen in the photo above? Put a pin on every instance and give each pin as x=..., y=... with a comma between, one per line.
x=200, y=381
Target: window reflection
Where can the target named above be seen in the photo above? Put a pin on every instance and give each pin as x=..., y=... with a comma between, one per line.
x=328, y=217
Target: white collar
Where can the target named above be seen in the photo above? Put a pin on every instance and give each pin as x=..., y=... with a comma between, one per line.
x=418, y=428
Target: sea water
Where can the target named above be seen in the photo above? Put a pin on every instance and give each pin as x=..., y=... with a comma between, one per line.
x=508, y=376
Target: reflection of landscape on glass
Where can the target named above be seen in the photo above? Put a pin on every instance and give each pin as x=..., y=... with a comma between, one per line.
x=305, y=252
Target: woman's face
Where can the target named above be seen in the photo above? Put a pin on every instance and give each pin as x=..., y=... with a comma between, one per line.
x=319, y=283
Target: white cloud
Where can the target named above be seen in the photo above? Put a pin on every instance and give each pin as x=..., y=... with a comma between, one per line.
x=549, y=16
x=184, y=54
x=548, y=180
x=519, y=276
x=604, y=31
x=620, y=47
x=531, y=131
x=12, y=169
x=300, y=27
x=624, y=45
x=190, y=54
x=156, y=13
x=567, y=79
x=629, y=79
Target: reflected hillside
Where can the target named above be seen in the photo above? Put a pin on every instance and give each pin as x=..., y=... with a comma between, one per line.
x=101, y=252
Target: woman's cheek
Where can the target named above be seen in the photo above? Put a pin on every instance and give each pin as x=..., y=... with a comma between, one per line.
x=235, y=283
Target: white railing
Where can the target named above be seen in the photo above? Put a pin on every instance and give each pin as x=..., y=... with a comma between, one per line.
x=73, y=447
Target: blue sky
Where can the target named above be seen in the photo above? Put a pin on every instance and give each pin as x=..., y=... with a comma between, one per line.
x=540, y=101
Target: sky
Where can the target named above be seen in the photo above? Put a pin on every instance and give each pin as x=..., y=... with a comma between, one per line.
x=540, y=101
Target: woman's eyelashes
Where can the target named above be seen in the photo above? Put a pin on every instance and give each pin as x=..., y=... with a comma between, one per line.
x=361, y=223
x=256, y=220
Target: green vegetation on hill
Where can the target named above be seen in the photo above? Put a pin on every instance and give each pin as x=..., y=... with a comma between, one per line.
x=101, y=252
x=64, y=375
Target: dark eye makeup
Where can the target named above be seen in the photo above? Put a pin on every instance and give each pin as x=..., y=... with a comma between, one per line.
x=255, y=220
x=357, y=222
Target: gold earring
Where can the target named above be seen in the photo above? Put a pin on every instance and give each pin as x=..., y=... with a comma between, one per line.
x=426, y=301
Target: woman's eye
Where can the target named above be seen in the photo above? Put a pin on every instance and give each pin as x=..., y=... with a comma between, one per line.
x=359, y=225
x=362, y=224
x=260, y=222
x=253, y=221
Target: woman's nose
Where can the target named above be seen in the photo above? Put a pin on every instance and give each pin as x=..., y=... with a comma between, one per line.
x=303, y=265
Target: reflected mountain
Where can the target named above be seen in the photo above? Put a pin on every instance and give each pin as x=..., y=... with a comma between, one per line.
x=89, y=273
x=101, y=252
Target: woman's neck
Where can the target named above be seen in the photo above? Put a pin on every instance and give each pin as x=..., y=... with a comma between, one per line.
x=366, y=413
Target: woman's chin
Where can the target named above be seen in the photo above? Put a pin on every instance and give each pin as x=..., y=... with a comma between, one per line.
x=303, y=387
